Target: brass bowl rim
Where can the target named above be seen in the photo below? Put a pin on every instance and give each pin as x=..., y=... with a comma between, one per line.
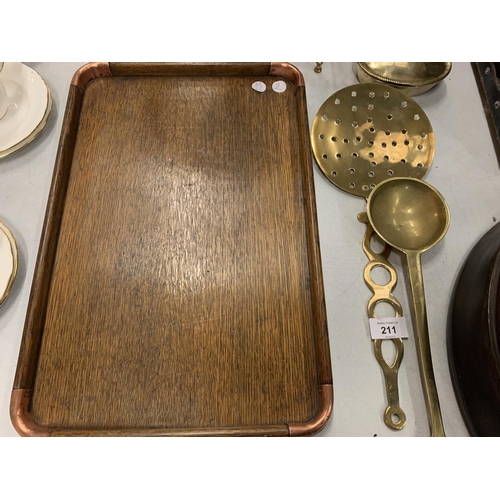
x=409, y=179
x=430, y=81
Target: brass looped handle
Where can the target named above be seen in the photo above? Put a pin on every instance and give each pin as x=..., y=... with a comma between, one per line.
x=394, y=416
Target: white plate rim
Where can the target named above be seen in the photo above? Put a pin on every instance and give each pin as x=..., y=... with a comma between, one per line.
x=39, y=126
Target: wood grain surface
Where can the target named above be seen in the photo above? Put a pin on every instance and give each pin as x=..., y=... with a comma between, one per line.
x=189, y=69
x=186, y=288
x=33, y=329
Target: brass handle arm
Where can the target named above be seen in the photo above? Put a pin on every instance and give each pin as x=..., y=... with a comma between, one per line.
x=422, y=343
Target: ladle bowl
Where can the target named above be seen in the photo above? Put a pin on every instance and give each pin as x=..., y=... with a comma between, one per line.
x=409, y=214
x=412, y=216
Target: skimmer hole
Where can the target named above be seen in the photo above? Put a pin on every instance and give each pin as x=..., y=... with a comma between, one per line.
x=338, y=156
x=325, y=157
x=389, y=117
x=386, y=158
x=354, y=93
x=423, y=134
x=420, y=165
x=371, y=174
x=416, y=117
x=371, y=95
x=358, y=139
x=346, y=141
x=337, y=101
x=403, y=160
x=394, y=143
x=369, y=120
x=352, y=185
x=372, y=129
x=355, y=155
x=384, y=145
x=387, y=132
x=371, y=155
x=334, y=139
x=390, y=172
x=321, y=136
x=334, y=174
x=370, y=106
x=352, y=170
x=373, y=164
x=386, y=94
x=420, y=147
x=407, y=142
x=404, y=131
x=354, y=124
x=404, y=104
x=337, y=121
x=354, y=108
x=324, y=118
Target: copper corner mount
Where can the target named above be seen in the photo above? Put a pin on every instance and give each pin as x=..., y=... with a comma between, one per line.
x=289, y=71
x=20, y=416
x=89, y=72
x=319, y=421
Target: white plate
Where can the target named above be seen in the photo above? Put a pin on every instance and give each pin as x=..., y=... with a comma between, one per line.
x=30, y=103
x=8, y=261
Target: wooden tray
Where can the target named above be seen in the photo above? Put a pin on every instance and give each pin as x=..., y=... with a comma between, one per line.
x=178, y=287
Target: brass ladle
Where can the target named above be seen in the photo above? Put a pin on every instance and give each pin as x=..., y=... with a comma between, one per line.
x=412, y=216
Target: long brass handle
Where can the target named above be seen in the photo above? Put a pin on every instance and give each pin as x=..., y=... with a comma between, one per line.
x=423, y=345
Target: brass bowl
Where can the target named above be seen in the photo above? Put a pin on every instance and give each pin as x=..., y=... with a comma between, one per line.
x=412, y=78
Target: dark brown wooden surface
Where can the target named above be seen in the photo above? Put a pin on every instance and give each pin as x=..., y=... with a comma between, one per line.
x=189, y=69
x=186, y=290
x=33, y=329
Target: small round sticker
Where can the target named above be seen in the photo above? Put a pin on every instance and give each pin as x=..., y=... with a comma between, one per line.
x=259, y=86
x=279, y=86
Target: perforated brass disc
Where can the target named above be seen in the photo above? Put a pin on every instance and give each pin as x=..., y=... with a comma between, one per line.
x=367, y=133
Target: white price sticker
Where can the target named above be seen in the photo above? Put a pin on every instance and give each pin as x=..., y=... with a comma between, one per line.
x=259, y=86
x=279, y=86
x=388, y=328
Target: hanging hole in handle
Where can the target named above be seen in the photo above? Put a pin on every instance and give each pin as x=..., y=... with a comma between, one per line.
x=394, y=417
